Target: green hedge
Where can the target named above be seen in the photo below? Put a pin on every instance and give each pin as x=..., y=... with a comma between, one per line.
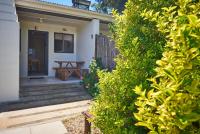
x=90, y=80
x=139, y=44
x=172, y=106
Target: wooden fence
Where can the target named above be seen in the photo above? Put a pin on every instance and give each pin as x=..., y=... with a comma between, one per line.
x=106, y=51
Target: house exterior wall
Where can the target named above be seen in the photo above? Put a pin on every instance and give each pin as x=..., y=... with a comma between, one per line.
x=50, y=28
x=86, y=42
x=9, y=51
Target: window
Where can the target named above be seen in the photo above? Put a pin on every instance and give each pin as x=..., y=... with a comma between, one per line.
x=63, y=43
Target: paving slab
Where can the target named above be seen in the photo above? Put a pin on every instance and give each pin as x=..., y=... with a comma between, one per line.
x=49, y=128
x=16, y=131
x=56, y=127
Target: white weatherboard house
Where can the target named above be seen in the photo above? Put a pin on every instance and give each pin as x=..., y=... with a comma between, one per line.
x=46, y=32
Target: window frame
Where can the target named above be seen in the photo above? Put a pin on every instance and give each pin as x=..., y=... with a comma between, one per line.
x=63, y=42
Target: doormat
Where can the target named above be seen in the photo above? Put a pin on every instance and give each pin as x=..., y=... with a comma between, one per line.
x=39, y=77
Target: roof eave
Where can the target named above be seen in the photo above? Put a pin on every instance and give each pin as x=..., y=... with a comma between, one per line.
x=60, y=9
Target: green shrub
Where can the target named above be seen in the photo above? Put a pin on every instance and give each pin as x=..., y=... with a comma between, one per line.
x=90, y=80
x=172, y=106
x=139, y=44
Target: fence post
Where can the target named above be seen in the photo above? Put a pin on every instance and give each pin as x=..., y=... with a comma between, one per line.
x=87, y=123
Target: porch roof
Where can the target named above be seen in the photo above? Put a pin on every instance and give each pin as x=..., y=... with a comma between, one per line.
x=53, y=9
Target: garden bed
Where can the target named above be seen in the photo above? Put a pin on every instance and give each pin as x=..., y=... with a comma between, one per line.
x=75, y=125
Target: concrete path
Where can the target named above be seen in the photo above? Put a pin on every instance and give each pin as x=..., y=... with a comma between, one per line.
x=47, y=128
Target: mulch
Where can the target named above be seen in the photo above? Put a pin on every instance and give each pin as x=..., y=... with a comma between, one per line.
x=75, y=125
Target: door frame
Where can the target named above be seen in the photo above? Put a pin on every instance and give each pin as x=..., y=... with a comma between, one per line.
x=46, y=72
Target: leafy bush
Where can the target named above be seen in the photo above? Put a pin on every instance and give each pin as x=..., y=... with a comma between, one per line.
x=173, y=104
x=90, y=80
x=139, y=44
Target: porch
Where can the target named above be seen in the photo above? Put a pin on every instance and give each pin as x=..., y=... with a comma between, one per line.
x=46, y=38
x=43, y=33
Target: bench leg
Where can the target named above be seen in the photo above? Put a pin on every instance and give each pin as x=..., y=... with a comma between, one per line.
x=65, y=75
x=78, y=73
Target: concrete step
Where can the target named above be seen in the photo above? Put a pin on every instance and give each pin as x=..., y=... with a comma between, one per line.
x=26, y=105
x=26, y=93
x=51, y=86
x=39, y=115
x=52, y=96
x=35, y=96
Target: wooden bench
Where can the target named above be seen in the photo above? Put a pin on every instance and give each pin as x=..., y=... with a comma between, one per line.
x=65, y=73
x=70, y=67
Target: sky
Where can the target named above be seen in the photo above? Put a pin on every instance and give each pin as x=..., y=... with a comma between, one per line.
x=65, y=2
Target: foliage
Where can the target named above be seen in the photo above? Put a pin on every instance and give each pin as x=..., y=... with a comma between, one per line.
x=101, y=6
x=90, y=80
x=172, y=106
x=105, y=5
x=139, y=44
